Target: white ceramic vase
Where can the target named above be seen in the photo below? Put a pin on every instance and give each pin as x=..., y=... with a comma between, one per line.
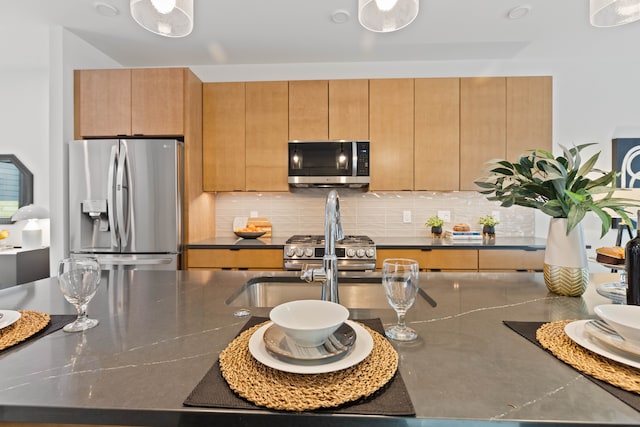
x=566, y=270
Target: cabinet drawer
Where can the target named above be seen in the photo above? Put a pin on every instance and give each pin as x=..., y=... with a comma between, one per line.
x=434, y=259
x=511, y=259
x=228, y=258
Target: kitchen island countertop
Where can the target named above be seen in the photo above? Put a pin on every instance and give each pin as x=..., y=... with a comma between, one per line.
x=160, y=332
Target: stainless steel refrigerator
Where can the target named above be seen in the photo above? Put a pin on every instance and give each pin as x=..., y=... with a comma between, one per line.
x=125, y=202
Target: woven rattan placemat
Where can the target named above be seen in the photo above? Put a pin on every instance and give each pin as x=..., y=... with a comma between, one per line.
x=275, y=389
x=392, y=399
x=529, y=331
x=30, y=323
x=552, y=337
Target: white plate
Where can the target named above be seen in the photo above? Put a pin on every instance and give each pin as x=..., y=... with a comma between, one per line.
x=359, y=352
x=575, y=331
x=9, y=317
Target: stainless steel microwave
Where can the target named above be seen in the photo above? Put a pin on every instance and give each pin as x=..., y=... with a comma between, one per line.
x=329, y=164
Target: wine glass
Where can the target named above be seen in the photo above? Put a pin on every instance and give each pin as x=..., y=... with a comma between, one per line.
x=79, y=279
x=400, y=281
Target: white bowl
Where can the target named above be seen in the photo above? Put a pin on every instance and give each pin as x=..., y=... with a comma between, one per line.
x=309, y=322
x=625, y=319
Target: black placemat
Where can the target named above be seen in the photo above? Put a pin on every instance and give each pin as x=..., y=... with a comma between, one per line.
x=393, y=399
x=56, y=322
x=528, y=331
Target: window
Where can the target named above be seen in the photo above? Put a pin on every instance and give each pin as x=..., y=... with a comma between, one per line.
x=16, y=186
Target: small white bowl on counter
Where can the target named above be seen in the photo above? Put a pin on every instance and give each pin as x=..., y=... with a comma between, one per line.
x=624, y=319
x=309, y=322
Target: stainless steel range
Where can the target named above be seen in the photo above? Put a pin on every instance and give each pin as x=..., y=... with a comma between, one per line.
x=354, y=253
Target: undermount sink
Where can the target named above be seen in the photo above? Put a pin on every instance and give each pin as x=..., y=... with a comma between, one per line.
x=268, y=291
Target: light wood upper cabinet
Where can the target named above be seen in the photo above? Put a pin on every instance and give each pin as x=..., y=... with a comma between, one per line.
x=529, y=115
x=309, y=110
x=391, y=133
x=437, y=134
x=482, y=126
x=349, y=109
x=102, y=103
x=157, y=101
x=126, y=102
x=267, y=131
x=334, y=110
x=224, y=136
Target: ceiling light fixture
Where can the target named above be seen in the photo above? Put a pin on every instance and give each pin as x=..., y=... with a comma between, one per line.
x=519, y=12
x=169, y=18
x=106, y=9
x=611, y=13
x=385, y=16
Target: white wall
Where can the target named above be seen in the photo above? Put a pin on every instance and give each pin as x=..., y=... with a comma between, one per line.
x=67, y=52
x=24, y=118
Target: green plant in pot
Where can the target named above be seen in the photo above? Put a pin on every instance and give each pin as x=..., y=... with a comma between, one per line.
x=436, y=223
x=488, y=225
x=559, y=187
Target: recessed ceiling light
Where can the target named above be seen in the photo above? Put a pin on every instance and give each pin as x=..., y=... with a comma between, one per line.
x=519, y=12
x=340, y=16
x=106, y=9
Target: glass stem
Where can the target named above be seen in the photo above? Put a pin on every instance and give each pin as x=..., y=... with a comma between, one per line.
x=82, y=311
x=401, y=321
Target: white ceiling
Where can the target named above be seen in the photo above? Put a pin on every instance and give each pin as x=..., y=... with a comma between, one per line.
x=301, y=31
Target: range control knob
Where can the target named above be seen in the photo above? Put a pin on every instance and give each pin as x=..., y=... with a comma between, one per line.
x=360, y=253
x=351, y=252
x=299, y=251
x=371, y=253
x=290, y=252
x=308, y=252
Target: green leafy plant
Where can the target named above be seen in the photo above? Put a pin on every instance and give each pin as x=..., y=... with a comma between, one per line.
x=488, y=220
x=435, y=221
x=557, y=186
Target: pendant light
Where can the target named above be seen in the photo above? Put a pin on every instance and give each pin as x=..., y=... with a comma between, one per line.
x=385, y=16
x=611, y=13
x=169, y=18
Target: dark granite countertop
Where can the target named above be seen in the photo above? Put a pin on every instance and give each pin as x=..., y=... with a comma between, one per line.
x=160, y=332
x=526, y=243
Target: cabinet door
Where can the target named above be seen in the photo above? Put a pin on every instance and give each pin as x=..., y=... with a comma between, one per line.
x=224, y=136
x=243, y=258
x=529, y=115
x=102, y=103
x=434, y=259
x=511, y=259
x=157, y=101
x=308, y=110
x=391, y=134
x=349, y=109
x=437, y=134
x=482, y=126
x=267, y=132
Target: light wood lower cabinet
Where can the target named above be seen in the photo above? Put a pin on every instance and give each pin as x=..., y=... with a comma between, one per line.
x=468, y=259
x=250, y=259
x=434, y=259
x=511, y=259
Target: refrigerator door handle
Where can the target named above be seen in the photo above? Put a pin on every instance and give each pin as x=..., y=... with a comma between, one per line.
x=111, y=207
x=129, y=261
x=121, y=188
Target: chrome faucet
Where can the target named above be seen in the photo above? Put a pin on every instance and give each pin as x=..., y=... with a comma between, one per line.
x=328, y=274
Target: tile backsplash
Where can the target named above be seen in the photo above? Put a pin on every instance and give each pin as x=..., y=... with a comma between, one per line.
x=376, y=214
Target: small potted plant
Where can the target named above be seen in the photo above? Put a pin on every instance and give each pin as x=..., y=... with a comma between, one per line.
x=488, y=225
x=435, y=222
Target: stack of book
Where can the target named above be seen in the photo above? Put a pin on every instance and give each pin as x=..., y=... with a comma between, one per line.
x=462, y=235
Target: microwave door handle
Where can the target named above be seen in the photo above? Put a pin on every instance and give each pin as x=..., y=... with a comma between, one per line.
x=111, y=209
x=120, y=190
x=354, y=158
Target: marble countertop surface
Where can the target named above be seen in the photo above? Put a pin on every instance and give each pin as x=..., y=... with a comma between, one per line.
x=160, y=332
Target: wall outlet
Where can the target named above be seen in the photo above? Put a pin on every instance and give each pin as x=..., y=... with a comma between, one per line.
x=496, y=215
x=253, y=214
x=406, y=217
x=445, y=216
